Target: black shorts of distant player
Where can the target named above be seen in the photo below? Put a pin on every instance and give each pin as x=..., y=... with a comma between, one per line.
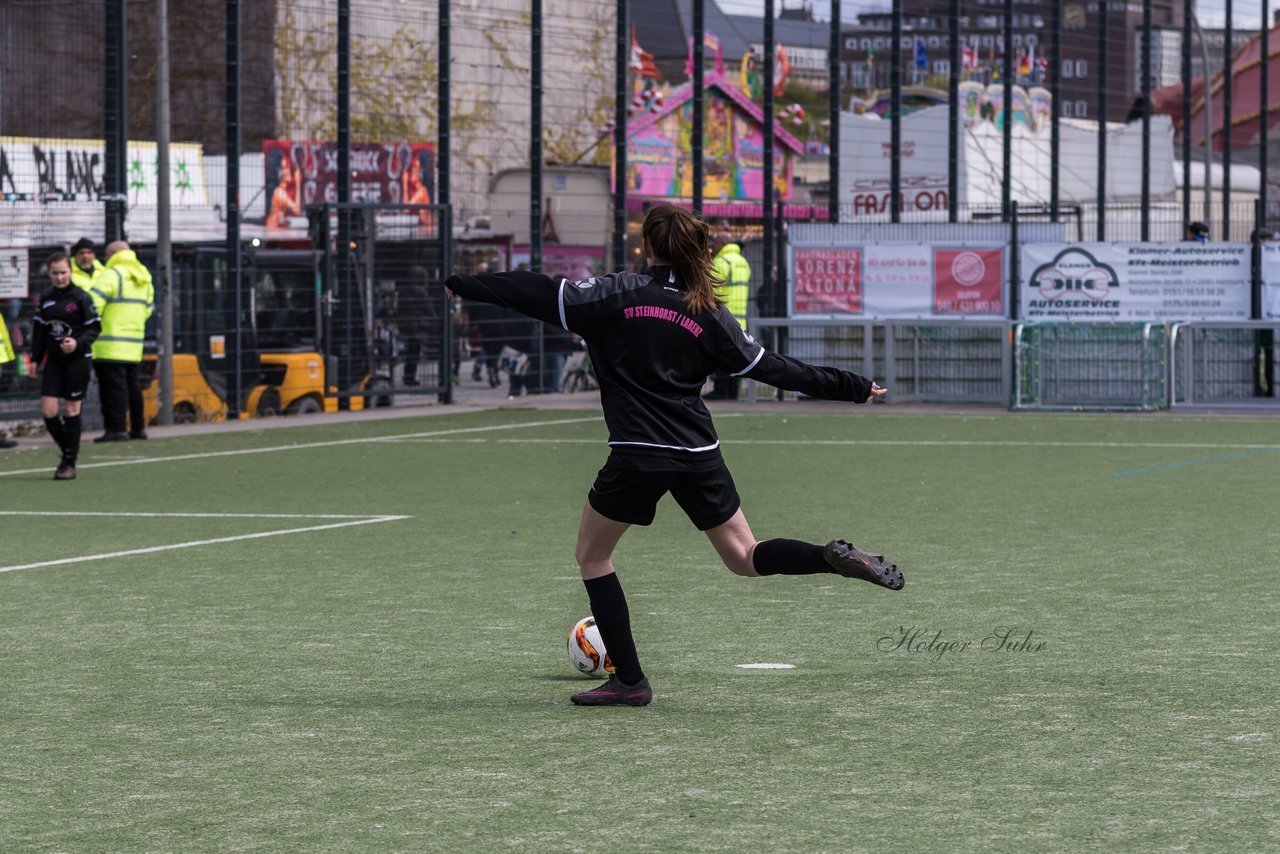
x=68, y=379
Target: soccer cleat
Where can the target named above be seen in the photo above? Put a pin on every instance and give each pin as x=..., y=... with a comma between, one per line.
x=139, y=434
x=7, y=443
x=852, y=562
x=615, y=692
x=66, y=471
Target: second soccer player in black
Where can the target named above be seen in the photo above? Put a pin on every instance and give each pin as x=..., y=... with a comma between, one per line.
x=66, y=324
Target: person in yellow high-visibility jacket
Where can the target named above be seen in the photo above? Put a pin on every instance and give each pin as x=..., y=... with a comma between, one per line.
x=86, y=264
x=734, y=275
x=125, y=298
x=7, y=355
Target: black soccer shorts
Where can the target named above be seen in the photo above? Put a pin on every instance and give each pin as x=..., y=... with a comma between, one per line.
x=708, y=498
x=68, y=379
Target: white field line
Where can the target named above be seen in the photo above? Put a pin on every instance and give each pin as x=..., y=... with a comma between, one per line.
x=368, y=520
x=302, y=446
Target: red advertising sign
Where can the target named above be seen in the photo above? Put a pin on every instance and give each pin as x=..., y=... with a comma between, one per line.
x=826, y=281
x=968, y=281
x=302, y=172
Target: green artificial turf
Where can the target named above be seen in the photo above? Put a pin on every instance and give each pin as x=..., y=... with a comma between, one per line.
x=403, y=684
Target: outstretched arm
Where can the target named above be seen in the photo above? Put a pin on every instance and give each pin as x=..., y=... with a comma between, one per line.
x=742, y=356
x=532, y=294
x=791, y=374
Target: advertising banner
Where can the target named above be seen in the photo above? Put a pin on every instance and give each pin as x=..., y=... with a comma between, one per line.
x=303, y=172
x=826, y=281
x=14, y=272
x=1271, y=281
x=968, y=281
x=1134, y=281
x=906, y=280
x=72, y=170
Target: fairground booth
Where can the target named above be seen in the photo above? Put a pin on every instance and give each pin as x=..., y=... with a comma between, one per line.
x=660, y=161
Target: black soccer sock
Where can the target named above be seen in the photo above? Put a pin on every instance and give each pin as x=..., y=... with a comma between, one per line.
x=54, y=426
x=71, y=428
x=609, y=607
x=789, y=557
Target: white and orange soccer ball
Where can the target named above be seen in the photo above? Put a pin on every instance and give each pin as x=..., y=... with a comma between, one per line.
x=586, y=649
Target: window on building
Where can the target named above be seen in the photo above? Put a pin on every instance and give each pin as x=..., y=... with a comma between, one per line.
x=1067, y=109
x=1017, y=40
x=1082, y=69
x=1068, y=69
x=942, y=66
x=934, y=41
x=1082, y=109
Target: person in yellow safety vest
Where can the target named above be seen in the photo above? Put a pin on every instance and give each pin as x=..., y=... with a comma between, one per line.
x=86, y=265
x=125, y=298
x=6, y=356
x=733, y=271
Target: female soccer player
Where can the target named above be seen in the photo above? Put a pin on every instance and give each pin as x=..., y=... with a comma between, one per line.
x=66, y=325
x=654, y=338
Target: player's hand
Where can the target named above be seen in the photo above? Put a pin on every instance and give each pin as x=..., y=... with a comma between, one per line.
x=68, y=345
x=877, y=390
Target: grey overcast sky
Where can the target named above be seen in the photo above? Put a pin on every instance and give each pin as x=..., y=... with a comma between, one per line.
x=1212, y=13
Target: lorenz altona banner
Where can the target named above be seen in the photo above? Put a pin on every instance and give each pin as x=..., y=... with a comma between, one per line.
x=1134, y=281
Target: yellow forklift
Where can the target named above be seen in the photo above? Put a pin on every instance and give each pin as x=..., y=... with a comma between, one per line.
x=278, y=353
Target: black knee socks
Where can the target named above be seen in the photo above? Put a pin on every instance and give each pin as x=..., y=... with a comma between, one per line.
x=609, y=607
x=56, y=432
x=789, y=557
x=71, y=434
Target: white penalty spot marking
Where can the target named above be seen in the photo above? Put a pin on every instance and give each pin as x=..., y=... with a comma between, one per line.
x=766, y=666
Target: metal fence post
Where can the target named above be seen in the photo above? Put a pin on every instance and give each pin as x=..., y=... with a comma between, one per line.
x=236, y=399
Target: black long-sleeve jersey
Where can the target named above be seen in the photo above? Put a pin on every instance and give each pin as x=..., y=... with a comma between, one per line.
x=64, y=313
x=652, y=357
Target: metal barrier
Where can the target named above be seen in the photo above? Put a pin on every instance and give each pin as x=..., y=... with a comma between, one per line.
x=1217, y=362
x=948, y=361
x=1090, y=366
x=919, y=360
x=846, y=344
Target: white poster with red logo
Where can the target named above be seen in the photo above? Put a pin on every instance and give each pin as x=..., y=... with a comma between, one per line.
x=898, y=280
x=1134, y=281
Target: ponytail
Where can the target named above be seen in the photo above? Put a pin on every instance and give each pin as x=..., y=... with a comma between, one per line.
x=678, y=237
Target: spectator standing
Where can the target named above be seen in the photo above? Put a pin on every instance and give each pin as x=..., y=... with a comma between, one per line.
x=416, y=315
x=86, y=265
x=64, y=329
x=7, y=355
x=732, y=271
x=125, y=298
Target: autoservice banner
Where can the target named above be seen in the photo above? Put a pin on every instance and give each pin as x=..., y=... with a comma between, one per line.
x=1134, y=281
x=887, y=280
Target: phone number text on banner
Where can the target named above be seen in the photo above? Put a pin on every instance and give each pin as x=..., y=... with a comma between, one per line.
x=1134, y=281
x=897, y=280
